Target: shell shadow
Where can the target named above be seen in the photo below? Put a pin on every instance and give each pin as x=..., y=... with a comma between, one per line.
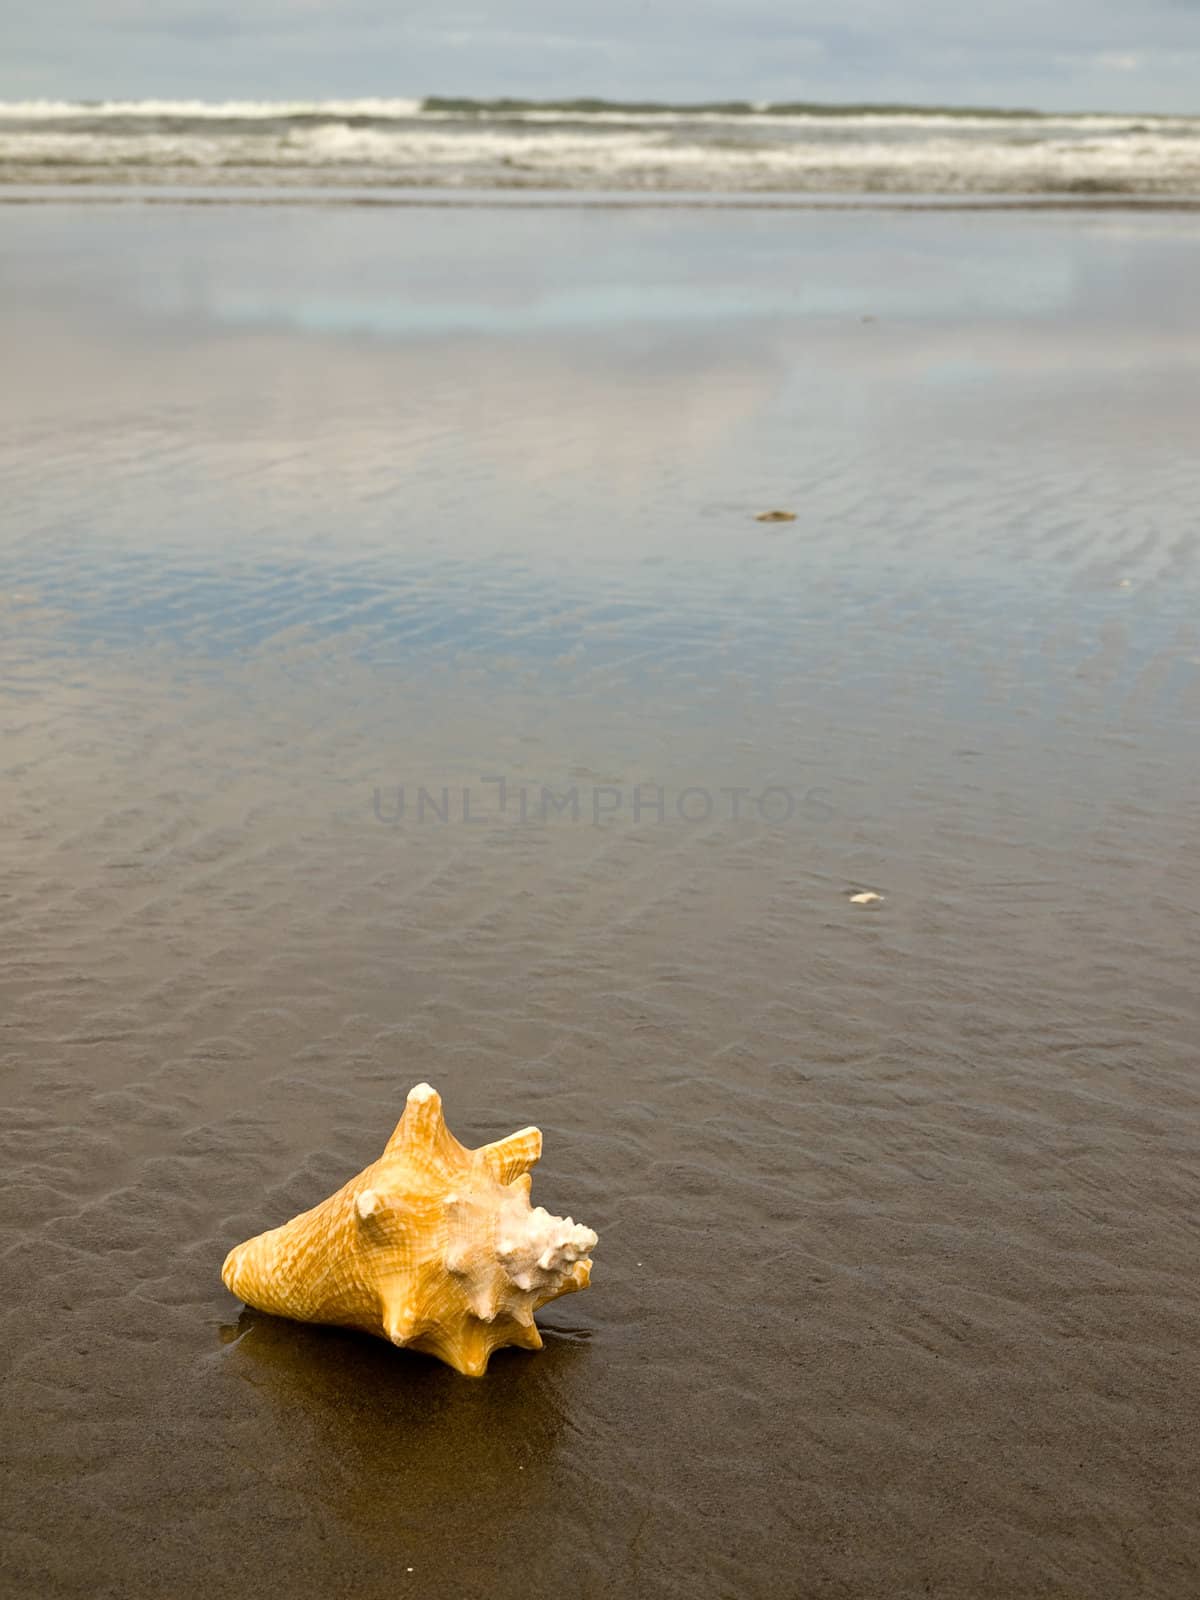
x=390, y=1437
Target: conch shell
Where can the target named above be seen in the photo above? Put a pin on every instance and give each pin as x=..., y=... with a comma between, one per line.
x=433, y=1246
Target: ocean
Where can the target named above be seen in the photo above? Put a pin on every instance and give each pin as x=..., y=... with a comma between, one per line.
x=725, y=149
x=399, y=682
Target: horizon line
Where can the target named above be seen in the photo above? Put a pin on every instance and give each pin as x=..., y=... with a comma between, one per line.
x=584, y=103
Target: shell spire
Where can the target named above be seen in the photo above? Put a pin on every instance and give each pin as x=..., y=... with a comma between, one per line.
x=433, y=1246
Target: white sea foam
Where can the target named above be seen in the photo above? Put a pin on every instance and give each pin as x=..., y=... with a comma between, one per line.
x=397, y=142
x=213, y=110
x=401, y=108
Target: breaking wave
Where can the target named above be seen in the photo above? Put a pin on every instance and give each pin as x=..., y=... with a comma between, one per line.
x=735, y=147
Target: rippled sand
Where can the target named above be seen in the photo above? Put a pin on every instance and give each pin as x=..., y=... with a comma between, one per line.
x=896, y=1292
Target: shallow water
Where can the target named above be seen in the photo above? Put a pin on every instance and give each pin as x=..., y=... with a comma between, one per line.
x=896, y=1288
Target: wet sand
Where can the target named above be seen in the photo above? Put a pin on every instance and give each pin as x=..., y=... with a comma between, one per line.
x=896, y=1292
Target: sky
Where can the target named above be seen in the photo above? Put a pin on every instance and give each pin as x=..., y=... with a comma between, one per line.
x=1121, y=55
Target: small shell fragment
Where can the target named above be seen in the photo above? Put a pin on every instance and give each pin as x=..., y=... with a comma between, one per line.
x=865, y=897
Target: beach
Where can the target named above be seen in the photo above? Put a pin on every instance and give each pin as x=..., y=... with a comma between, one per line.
x=398, y=685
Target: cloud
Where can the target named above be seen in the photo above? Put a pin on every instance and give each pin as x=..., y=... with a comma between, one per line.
x=1077, y=53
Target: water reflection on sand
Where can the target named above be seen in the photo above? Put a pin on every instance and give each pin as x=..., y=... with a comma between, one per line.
x=894, y=1286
